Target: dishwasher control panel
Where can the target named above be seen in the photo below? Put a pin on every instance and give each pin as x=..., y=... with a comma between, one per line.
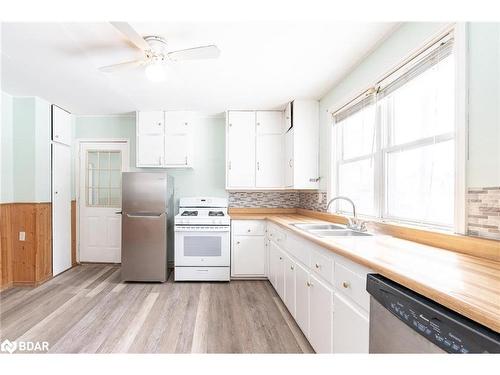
x=445, y=328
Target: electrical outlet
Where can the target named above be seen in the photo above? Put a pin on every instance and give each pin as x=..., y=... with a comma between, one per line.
x=22, y=236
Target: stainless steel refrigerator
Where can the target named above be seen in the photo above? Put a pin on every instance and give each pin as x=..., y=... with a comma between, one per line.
x=147, y=219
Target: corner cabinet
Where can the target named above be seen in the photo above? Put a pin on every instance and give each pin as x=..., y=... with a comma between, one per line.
x=163, y=139
x=268, y=150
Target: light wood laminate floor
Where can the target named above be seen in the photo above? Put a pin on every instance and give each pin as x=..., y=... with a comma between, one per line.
x=88, y=310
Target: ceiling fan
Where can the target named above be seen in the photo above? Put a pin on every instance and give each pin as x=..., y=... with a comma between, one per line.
x=156, y=54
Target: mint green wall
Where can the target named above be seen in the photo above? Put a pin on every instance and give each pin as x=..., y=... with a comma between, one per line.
x=402, y=42
x=207, y=175
x=6, y=150
x=484, y=104
x=31, y=150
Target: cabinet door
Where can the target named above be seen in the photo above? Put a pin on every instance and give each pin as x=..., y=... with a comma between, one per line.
x=269, y=165
x=150, y=122
x=288, y=116
x=61, y=125
x=321, y=316
x=280, y=274
x=177, y=122
x=289, y=159
x=241, y=149
x=176, y=149
x=61, y=208
x=350, y=327
x=269, y=122
x=290, y=285
x=302, y=298
x=248, y=256
x=150, y=150
x=273, y=263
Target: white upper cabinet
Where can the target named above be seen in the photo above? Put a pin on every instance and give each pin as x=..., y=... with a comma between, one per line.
x=61, y=125
x=164, y=139
x=269, y=122
x=151, y=122
x=240, y=143
x=283, y=145
x=302, y=150
x=269, y=167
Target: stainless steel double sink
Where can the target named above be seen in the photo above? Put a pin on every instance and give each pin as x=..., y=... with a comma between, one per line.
x=329, y=230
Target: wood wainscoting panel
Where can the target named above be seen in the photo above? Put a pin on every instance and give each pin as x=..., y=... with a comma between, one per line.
x=5, y=247
x=43, y=242
x=73, y=234
x=28, y=261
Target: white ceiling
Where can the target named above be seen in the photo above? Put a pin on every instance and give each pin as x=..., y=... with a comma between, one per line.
x=262, y=65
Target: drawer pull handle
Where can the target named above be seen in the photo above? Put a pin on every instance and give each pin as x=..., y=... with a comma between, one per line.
x=317, y=265
x=346, y=284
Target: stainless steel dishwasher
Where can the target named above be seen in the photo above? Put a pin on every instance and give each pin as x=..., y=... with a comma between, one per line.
x=402, y=321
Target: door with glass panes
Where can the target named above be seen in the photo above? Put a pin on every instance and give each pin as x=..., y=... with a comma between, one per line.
x=100, y=177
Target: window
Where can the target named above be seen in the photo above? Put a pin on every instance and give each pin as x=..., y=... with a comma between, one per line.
x=104, y=178
x=395, y=145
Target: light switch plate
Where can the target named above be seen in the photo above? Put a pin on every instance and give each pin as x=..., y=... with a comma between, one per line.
x=22, y=236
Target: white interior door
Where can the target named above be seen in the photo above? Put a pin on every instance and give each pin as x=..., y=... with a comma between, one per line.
x=100, y=177
x=61, y=208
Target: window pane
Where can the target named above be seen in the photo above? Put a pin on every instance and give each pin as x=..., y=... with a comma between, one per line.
x=423, y=107
x=116, y=179
x=420, y=184
x=104, y=160
x=115, y=197
x=115, y=160
x=356, y=181
x=104, y=178
x=93, y=177
x=358, y=133
x=103, y=195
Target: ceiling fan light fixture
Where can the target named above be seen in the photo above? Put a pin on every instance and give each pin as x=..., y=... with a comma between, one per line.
x=155, y=72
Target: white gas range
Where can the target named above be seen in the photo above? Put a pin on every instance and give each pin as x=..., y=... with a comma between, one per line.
x=202, y=240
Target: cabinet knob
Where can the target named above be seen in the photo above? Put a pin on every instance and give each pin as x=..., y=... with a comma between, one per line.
x=258, y=166
x=346, y=284
x=237, y=242
x=230, y=124
x=57, y=136
x=309, y=283
x=159, y=124
x=186, y=123
x=248, y=230
x=281, y=258
x=292, y=268
x=258, y=124
x=317, y=265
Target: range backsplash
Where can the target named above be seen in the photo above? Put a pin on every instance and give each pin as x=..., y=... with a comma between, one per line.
x=278, y=199
x=483, y=207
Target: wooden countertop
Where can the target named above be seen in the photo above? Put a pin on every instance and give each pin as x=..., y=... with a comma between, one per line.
x=466, y=284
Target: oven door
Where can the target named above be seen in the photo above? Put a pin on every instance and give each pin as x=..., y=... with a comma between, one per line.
x=202, y=247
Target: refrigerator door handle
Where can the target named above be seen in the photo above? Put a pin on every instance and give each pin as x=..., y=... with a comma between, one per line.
x=149, y=216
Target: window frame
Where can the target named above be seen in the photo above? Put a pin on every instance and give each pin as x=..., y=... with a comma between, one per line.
x=460, y=55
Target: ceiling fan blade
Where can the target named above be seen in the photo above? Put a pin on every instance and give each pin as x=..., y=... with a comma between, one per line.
x=132, y=35
x=121, y=66
x=205, y=52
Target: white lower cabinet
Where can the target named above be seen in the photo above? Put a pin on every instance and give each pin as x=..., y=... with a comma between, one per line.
x=248, y=249
x=323, y=291
x=350, y=325
x=302, y=298
x=320, y=315
x=289, y=275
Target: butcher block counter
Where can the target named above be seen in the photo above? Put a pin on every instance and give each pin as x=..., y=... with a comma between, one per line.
x=466, y=284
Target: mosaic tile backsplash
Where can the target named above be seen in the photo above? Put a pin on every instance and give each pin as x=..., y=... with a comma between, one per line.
x=484, y=212
x=311, y=200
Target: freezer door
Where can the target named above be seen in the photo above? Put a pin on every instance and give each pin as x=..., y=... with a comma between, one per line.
x=144, y=247
x=144, y=192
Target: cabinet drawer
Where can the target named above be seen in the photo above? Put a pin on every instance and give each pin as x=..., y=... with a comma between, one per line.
x=352, y=285
x=276, y=235
x=249, y=227
x=322, y=265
